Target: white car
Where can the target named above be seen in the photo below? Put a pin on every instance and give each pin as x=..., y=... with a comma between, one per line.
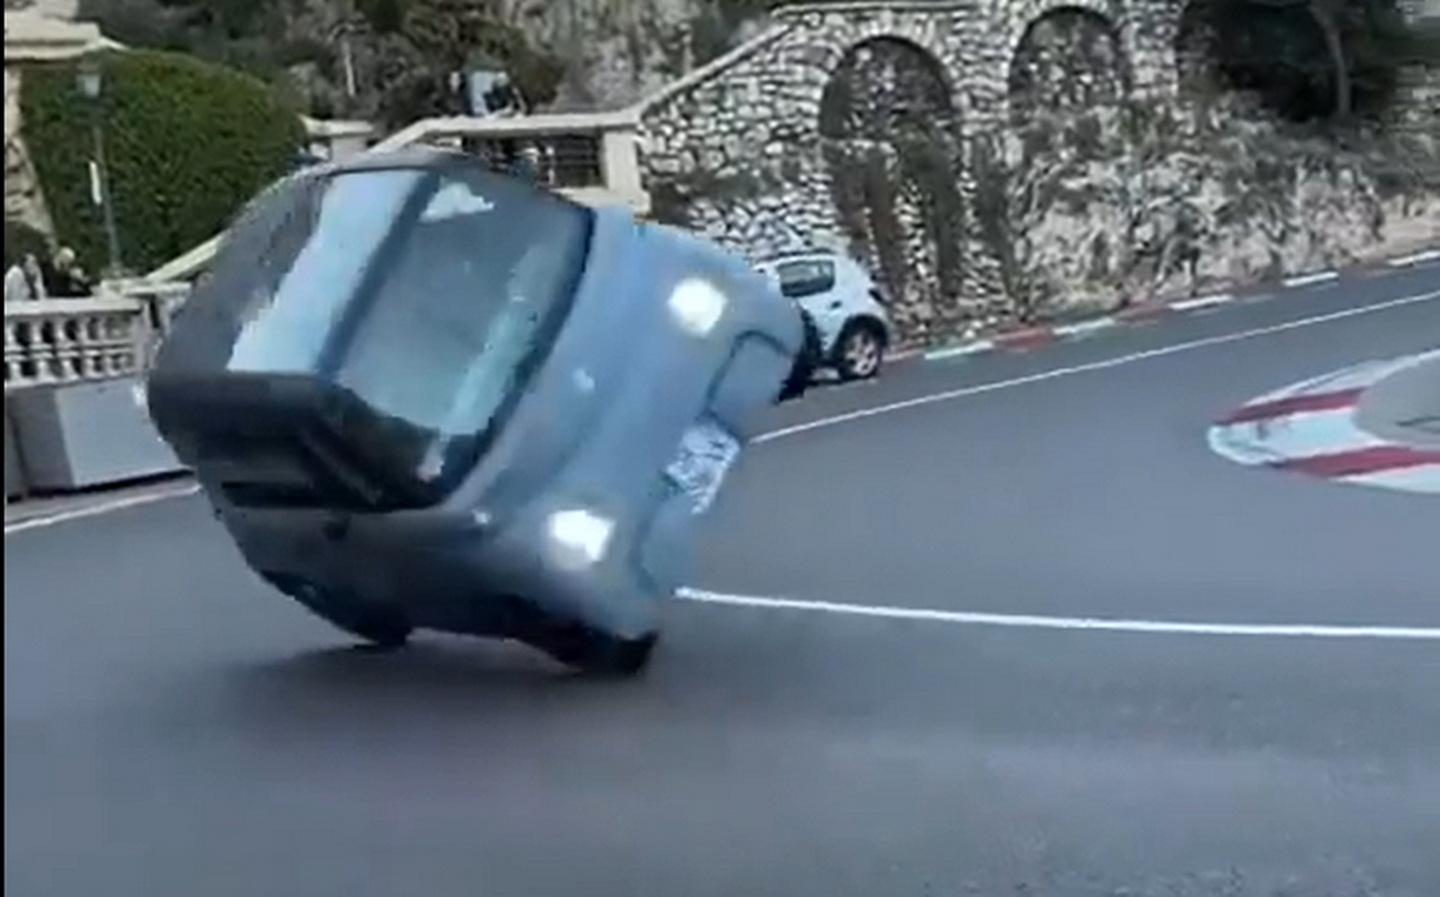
x=844, y=303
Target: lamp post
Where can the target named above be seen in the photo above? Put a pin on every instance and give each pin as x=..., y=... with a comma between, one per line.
x=90, y=80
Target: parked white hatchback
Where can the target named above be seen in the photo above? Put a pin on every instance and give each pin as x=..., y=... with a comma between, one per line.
x=844, y=303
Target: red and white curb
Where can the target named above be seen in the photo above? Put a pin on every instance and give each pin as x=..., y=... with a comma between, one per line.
x=1310, y=428
x=1028, y=338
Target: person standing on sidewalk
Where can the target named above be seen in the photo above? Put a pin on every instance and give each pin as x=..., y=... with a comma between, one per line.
x=25, y=280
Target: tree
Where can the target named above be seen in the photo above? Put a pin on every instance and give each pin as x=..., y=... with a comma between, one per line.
x=449, y=36
x=1319, y=58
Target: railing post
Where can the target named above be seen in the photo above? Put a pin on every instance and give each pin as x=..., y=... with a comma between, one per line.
x=620, y=163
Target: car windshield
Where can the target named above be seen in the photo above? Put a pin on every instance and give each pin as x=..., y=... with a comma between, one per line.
x=429, y=296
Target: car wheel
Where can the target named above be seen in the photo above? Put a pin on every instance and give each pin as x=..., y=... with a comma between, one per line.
x=596, y=653
x=382, y=630
x=382, y=634
x=859, y=351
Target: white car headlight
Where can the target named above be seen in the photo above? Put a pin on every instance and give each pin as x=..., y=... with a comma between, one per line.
x=579, y=538
x=697, y=306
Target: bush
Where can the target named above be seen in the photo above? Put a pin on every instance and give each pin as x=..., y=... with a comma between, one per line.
x=22, y=240
x=187, y=142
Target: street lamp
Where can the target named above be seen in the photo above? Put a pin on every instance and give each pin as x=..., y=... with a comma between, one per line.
x=90, y=81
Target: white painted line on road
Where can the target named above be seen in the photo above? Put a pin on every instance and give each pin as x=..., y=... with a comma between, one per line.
x=1085, y=327
x=1422, y=479
x=1419, y=258
x=136, y=501
x=1092, y=624
x=1108, y=363
x=1305, y=280
x=984, y=345
x=95, y=510
x=1202, y=302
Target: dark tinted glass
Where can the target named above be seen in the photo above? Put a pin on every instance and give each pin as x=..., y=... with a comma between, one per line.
x=807, y=278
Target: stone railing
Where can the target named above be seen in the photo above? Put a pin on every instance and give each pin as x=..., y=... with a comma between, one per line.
x=593, y=158
x=52, y=342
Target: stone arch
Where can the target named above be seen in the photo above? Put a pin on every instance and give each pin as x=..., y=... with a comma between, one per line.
x=1071, y=56
x=889, y=131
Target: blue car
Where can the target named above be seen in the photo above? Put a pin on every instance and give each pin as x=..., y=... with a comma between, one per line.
x=420, y=394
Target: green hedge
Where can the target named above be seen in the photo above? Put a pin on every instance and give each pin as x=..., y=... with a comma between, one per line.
x=21, y=240
x=187, y=142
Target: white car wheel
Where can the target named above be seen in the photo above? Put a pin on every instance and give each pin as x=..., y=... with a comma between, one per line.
x=859, y=353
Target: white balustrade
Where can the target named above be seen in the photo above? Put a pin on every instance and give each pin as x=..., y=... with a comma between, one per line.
x=52, y=342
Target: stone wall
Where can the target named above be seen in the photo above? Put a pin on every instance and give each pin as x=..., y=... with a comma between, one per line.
x=24, y=202
x=1017, y=159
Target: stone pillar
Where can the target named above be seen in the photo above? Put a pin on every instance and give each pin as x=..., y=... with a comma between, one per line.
x=24, y=201
x=1151, y=29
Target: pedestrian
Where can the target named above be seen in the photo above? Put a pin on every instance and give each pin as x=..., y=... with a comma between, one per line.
x=24, y=281
x=67, y=279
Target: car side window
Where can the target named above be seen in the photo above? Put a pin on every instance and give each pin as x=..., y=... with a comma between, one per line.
x=806, y=278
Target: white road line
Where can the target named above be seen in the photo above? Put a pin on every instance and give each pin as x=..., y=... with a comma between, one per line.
x=1423, y=479
x=95, y=510
x=1305, y=280
x=1092, y=624
x=1086, y=327
x=1419, y=258
x=1201, y=302
x=984, y=345
x=135, y=501
x=1056, y=373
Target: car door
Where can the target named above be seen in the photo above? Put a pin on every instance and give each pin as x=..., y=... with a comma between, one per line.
x=813, y=283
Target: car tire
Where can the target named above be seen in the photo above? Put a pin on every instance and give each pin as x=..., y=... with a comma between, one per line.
x=595, y=653
x=383, y=635
x=381, y=630
x=860, y=351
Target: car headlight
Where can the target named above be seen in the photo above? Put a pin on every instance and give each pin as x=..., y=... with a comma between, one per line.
x=579, y=538
x=697, y=306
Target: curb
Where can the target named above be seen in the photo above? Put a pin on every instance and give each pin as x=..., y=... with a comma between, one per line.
x=1313, y=427
x=1028, y=338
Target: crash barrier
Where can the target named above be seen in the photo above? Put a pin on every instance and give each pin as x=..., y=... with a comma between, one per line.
x=74, y=403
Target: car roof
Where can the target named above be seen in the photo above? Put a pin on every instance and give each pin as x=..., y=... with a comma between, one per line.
x=802, y=255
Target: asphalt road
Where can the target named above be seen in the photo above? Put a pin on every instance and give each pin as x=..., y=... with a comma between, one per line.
x=172, y=728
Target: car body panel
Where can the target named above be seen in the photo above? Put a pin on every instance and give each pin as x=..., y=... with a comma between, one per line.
x=833, y=289
x=589, y=439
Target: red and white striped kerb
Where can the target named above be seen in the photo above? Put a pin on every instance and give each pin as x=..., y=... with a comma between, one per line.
x=1310, y=428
